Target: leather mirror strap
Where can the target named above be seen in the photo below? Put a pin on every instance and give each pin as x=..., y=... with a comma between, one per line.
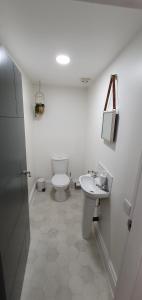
x=111, y=85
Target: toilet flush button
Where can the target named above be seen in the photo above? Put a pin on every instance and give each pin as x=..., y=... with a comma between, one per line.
x=127, y=206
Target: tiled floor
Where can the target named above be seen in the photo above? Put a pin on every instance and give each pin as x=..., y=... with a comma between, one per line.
x=61, y=265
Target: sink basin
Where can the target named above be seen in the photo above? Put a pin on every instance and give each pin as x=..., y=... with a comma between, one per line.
x=90, y=186
x=92, y=192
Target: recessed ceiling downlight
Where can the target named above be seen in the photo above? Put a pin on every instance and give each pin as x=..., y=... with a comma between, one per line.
x=63, y=59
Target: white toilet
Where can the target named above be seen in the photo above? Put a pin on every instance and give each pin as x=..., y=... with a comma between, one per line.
x=60, y=181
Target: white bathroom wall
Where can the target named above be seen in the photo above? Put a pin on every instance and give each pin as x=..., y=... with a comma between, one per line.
x=28, y=119
x=121, y=158
x=61, y=130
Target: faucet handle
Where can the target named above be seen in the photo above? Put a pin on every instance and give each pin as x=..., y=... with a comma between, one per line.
x=93, y=173
x=89, y=172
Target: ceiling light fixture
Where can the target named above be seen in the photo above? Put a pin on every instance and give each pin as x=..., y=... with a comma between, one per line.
x=63, y=59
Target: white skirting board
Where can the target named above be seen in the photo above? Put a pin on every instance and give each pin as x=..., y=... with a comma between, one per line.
x=111, y=274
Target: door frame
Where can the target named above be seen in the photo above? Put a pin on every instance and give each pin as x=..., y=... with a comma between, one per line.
x=134, y=198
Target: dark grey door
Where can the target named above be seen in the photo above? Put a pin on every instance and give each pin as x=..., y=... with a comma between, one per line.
x=14, y=211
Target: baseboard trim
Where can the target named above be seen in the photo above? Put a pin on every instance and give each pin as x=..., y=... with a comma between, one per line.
x=111, y=274
x=32, y=193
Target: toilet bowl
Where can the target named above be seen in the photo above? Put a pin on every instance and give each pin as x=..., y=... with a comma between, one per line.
x=60, y=180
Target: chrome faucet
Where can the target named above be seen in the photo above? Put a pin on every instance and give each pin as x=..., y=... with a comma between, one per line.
x=93, y=173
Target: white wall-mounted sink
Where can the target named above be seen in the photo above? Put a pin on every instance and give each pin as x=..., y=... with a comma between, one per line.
x=92, y=191
x=90, y=186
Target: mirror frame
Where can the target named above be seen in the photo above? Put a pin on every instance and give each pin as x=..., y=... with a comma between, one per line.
x=110, y=138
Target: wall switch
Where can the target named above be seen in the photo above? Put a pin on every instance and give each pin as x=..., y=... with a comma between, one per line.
x=127, y=207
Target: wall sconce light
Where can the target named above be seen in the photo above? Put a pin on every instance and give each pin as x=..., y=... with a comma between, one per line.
x=39, y=101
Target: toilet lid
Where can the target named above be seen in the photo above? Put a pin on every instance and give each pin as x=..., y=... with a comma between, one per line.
x=60, y=180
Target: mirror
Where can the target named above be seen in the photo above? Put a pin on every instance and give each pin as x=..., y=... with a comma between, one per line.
x=108, y=125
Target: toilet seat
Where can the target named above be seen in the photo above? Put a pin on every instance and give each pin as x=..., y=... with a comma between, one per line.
x=60, y=180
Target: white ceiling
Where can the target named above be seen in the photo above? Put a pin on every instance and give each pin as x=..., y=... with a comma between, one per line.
x=36, y=31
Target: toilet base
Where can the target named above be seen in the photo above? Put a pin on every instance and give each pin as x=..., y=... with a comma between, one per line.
x=60, y=195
